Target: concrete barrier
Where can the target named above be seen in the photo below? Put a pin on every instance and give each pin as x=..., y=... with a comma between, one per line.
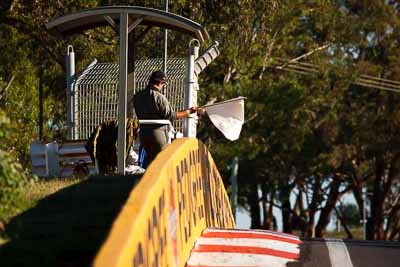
x=180, y=195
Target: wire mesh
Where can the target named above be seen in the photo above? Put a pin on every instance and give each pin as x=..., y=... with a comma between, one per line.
x=96, y=91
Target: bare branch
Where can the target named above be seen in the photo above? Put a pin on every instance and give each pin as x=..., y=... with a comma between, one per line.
x=4, y=91
x=9, y=83
x=89, y=36
x=268, y=54
x=251, y=118
x=309, y=53
x=394, y=233
x=60, y=5
x=229, y=74
x=303, y=56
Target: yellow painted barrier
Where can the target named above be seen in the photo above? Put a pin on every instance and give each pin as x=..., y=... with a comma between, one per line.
x=179, y=196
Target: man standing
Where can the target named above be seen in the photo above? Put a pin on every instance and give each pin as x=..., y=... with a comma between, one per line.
x=151, y=104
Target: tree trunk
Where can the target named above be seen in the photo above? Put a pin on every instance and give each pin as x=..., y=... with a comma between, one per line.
x=298, y=215
x=376, y=205
x=357, y=192
x=316, y=197
x=254, y=208
x=394, y=207
x=284, y=198
x=343, y=222
x=269, y=220
x=326, y=212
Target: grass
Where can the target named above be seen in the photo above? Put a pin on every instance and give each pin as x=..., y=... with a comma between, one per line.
x=43, y=188
x=33, y=192
x=63, y=222
x=36, y=190
x=356, y=232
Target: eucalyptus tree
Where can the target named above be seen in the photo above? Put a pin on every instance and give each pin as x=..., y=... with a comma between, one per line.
x=306, y=125
x=312, y=136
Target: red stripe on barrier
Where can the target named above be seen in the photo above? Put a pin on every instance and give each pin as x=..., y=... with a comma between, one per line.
x=246, y=250
x=187, y=265
x=253, y=231
x=249, y=235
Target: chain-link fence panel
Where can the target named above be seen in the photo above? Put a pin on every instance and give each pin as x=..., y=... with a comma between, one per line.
x=96, y=92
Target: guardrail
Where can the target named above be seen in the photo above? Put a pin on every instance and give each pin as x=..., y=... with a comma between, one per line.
x=179, y=196
x=60, y=159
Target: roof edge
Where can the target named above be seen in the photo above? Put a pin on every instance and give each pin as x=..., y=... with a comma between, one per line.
x=93, y=18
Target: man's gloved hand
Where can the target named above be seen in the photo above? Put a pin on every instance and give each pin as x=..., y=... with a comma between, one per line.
x=200, y=111
x=193, y=109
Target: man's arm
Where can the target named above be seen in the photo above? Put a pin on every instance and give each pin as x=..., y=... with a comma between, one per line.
x=164, y=108
x=167, y=111
x=185, y=113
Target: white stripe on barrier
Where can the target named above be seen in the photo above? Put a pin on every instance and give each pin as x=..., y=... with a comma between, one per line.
x=338, y=254
x=251, y=242
x=234, y=259
x=229, y=248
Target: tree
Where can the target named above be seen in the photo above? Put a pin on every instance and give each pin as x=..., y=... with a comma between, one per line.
x=306, y=132
x=312, y=135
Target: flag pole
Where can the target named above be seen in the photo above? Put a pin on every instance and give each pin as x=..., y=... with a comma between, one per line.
x=223, y=102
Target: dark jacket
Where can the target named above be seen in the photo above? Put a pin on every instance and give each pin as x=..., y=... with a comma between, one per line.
x=150, y=104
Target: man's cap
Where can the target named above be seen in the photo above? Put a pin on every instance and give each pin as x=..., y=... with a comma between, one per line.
x=157, y=76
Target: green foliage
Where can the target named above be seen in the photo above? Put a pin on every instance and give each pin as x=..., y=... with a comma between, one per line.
x=12, y=176
x=12, y=179
x=317, y=133
x=20, y=101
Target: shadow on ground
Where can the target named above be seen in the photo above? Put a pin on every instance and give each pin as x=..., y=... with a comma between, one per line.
x=68, y=227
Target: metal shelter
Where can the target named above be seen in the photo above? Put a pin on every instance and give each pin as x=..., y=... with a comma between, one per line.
x=95, y=97
x=124, y=19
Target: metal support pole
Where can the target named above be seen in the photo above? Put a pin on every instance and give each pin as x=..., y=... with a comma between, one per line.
x=70, y=62
x=40, y=122
x=165, y=42
x=122, y=92
x=234, y=185
x=131, y=72
x=364, y=219
x=189, y=129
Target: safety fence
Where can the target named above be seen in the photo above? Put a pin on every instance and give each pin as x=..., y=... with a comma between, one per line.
x=96, y=92
x=180, y=195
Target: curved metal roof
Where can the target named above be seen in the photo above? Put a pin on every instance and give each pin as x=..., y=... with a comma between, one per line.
x=97, y=17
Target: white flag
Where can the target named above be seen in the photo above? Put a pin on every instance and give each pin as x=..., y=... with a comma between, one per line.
x=227, y=116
